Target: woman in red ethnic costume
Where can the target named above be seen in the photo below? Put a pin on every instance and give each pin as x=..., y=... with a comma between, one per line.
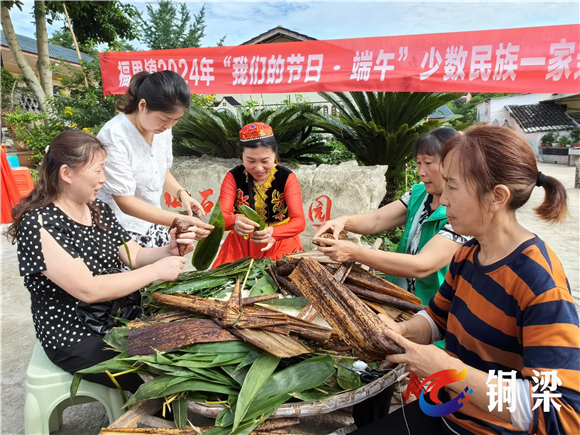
x=271, y=190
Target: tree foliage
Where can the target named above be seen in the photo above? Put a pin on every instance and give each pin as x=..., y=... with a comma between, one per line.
x=171, y=25
x=207, y=131
x=468, y=111
x=97, y=21
x=380, y=127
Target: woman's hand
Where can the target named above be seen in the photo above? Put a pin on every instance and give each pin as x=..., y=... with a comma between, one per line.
x=200, y=228
x=338, y=250
x=391, y=324
x=264, y=236
x=184, y=238
x=336, y=225
x=191, y=205
x=244, y=226
x=423, y=360
x=169, y=268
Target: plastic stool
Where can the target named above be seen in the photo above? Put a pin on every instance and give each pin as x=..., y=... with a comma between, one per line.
x=48, y=394
x=13, y=161
x=23, y=179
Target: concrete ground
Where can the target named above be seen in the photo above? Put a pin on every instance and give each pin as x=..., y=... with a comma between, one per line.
x=17, y=333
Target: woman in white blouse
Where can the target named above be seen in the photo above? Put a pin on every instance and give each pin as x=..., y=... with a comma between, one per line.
x=139, y=147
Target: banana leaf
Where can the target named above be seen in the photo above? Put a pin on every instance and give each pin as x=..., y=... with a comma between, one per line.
x=259, y=373
x=207, y=249
x=347, y=379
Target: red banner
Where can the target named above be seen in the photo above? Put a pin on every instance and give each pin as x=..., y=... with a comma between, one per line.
x=536, y=59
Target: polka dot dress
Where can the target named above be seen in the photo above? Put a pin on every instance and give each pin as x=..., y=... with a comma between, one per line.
x=53, y=309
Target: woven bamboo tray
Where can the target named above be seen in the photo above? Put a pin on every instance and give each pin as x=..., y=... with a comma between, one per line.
x=316, y=407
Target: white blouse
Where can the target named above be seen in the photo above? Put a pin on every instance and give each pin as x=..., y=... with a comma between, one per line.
x=134, y=168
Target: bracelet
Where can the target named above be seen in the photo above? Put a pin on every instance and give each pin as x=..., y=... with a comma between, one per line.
x=182, y=190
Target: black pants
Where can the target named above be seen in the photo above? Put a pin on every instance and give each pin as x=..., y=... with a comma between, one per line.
x=87, y=353
x=394, y=424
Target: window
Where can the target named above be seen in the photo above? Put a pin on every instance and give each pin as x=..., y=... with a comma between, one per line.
x=325, y=110
x=333, y=110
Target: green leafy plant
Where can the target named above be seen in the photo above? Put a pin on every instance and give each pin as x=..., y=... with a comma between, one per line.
x=575, y=135
x=379, y=128
x=548, y=137
x=206, y=131
x=564, y=140
x=8, y=84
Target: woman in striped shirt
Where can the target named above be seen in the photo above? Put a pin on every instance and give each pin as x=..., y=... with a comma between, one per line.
x=505, y=304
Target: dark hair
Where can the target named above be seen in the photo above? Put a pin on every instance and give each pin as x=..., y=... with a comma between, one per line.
x=73, y=148
x=266, y=142
x=163, y=91
x=430, y=144
x=489, y=156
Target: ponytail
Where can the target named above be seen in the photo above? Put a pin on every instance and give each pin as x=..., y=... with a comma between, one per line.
x=554, y=208
x=489, y=156
x=129, y=102
x=163, y=91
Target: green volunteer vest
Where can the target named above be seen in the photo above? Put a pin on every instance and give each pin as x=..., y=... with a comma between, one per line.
x=425, y=288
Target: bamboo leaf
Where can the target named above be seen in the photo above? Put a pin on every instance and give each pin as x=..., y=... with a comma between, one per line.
x=262, y=287
x=118, y=339
x=307, y=374
x=251, y=214
x=297, y=302
x=167, y=385
x=207, y=249
x=220, y=347
x=180, y=412
x=259, y=373
x=128, y=253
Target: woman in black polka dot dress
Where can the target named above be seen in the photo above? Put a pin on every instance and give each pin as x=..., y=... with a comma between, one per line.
x=70, y=252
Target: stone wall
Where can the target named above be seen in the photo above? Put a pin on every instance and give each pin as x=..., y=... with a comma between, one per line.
x=328, y=191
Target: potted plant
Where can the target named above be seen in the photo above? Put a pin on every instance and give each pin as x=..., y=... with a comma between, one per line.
x=564, y=141
x=21, y=123
x=575, y=137
x=547, y=139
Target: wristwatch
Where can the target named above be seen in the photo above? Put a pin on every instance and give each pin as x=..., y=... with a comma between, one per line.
x=182, y=190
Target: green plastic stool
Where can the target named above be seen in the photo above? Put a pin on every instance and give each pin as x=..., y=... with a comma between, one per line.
x=48, y=394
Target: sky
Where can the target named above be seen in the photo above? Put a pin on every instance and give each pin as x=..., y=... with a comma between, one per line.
x=242, y=20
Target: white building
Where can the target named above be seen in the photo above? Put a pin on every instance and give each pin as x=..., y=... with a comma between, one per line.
x=532, y=115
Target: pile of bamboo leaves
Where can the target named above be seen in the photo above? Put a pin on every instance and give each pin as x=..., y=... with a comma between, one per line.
x=249, y=382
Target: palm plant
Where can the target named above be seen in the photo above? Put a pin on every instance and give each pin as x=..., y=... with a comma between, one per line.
x=380, y=127
x=207, y=131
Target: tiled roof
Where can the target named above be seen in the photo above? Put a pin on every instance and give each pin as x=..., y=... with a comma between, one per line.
x=278, y=31
x=29, y=45
x=230, y=100
x=541, y=117
x=442, y=112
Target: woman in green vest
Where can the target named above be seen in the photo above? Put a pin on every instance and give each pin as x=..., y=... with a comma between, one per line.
x=428, y=243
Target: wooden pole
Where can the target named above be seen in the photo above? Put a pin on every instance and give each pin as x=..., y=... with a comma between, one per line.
x=75, y=42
